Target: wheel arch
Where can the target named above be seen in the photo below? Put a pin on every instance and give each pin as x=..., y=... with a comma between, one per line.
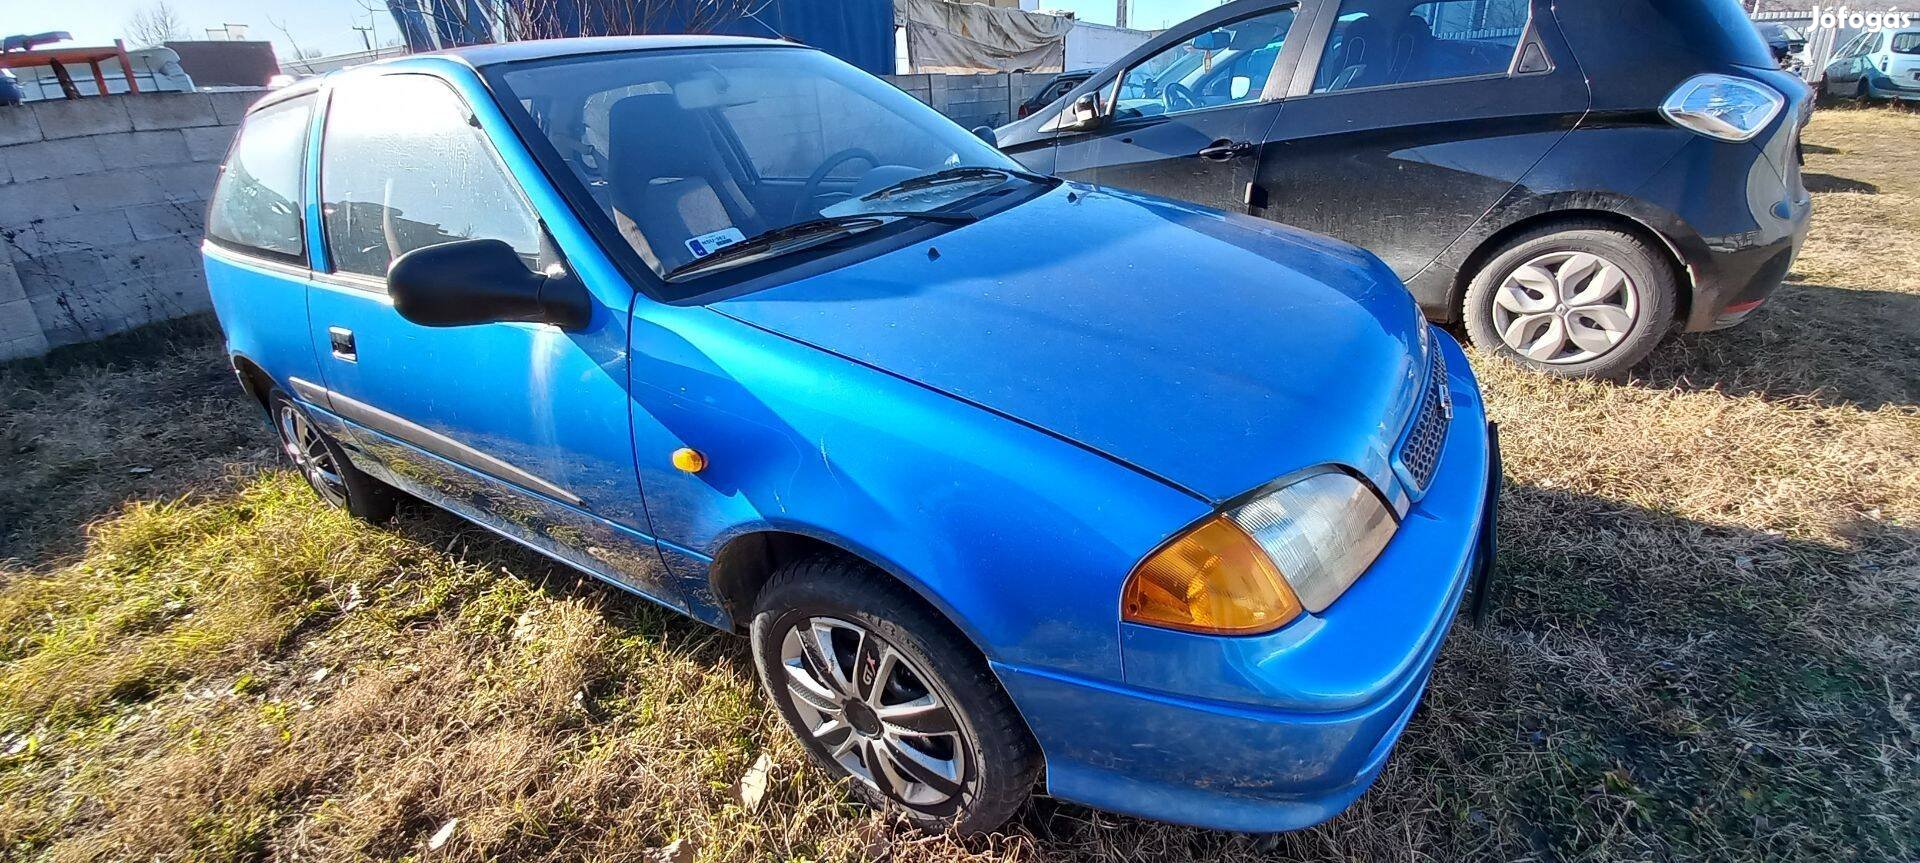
x=1487, y=248
x=254, y=380
x=744, y=564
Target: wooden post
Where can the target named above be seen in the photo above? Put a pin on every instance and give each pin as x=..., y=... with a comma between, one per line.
x=66, y=81
x=99, y=80
x=126, y=67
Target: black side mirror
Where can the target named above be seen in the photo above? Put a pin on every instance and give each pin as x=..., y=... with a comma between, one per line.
x=482, y=282
x=987, y=134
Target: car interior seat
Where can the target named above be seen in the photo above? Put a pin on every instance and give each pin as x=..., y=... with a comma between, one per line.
x=1358, y=56
x=665, y=182
x=1413, y=47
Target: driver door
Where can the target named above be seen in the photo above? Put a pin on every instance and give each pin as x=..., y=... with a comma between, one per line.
x=1189, y=121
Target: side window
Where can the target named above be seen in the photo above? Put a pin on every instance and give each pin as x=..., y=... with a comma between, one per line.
x=1376, y=44
x=1879, y=38
x=401, y=168
x=257, y=203
x=1228, y=65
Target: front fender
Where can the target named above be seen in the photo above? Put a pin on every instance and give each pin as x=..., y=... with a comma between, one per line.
x=1021, y=538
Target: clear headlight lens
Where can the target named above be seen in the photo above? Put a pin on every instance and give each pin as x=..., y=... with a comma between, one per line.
x=1256, y=567
x=1723, y=106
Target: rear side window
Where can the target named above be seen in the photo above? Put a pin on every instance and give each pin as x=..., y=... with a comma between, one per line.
x=1906, y=43
x=1376, y=44
x=401, y=168
x=257, y=203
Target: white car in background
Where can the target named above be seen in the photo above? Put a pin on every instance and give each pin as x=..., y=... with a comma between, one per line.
x=1879, y=64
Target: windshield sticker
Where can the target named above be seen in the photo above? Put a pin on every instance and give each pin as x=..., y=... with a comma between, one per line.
x=707, y=244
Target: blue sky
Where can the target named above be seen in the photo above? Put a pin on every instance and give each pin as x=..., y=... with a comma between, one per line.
x=327, y=25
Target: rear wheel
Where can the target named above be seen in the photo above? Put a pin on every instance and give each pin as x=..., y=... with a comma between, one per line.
x=884, y=692
x=1580, y=299
x=325, y=465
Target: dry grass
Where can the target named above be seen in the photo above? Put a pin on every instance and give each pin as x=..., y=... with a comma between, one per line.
x=1706, y=646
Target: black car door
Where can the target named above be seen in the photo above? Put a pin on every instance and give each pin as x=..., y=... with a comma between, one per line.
x=1409, y=120
x=1185, y=120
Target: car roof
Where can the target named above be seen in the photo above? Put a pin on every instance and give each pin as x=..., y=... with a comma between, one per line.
x=546, y=49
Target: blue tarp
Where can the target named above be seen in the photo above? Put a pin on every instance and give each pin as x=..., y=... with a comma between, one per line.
x=857, y=31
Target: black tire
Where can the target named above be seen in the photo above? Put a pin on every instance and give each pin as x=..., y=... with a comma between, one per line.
x=325, y=465
x=1861, y=92
x=1651, y=280
x=995, y=758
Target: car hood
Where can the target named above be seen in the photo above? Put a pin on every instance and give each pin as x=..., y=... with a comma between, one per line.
x=1216, y=352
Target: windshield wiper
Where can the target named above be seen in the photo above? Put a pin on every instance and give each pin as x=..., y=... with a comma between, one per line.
x=818, y=231
x=944, y=176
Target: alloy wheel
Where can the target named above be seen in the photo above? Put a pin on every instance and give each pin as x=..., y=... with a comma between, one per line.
x=872, y=710
x=308, y=450
x=1565, y=307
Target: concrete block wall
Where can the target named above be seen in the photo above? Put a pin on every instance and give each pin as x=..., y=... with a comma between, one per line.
x=101, y=209
x=991, y=99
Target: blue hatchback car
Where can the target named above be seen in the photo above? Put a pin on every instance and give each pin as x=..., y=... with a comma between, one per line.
x=1005, y=477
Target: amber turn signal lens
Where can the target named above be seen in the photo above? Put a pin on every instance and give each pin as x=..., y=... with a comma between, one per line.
x=1215, y=579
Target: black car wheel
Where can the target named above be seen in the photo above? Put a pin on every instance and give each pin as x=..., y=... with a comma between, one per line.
x=883, y=691
x=1578, y=299
x=325, y=466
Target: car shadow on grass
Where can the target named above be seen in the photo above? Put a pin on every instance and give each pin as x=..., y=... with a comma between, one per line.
x=1817, y=182
x=1810, y=344
x=150, y=414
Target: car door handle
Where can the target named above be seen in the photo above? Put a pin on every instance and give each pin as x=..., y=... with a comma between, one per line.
x=1223, y=150
x=342, y=341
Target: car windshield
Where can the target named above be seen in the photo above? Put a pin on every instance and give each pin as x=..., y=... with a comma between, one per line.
x=1775, y=30
x=689, y=152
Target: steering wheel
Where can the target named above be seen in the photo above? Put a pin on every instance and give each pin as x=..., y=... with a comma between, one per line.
x=812, y=188
x=1179, y=98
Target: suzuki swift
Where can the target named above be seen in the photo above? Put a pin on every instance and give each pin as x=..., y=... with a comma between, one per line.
x=1005, y=477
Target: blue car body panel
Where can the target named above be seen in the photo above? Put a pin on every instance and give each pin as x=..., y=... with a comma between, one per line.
x=1006, y=418
x=1202, y=335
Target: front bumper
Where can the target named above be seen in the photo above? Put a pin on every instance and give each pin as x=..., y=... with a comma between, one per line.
x=1284, y=730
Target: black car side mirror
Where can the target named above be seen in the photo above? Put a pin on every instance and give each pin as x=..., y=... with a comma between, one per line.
x=482, y=282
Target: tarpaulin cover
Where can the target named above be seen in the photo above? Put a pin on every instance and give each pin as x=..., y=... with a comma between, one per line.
x=970, y=37
x=857, y=31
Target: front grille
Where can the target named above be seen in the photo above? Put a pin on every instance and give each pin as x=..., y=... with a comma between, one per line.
x=1420, y=451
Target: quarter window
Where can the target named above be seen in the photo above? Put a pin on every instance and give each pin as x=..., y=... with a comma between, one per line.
x=1228, y=65
x=401, y=168
x=1375, y=44
x=257, y=203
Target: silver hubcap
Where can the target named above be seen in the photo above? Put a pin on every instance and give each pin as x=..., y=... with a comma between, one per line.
x=302, y=444
x=871, y=710
x=1565, y=307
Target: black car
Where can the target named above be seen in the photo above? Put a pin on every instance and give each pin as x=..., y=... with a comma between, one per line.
x=1055, y=87
x=1569, y=180
x=1785, y=41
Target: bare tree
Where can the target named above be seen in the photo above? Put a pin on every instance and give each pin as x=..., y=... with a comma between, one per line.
x=155, y=24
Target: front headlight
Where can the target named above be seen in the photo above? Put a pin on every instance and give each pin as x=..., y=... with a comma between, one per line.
x=1255, y=567
x=1723, y=106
